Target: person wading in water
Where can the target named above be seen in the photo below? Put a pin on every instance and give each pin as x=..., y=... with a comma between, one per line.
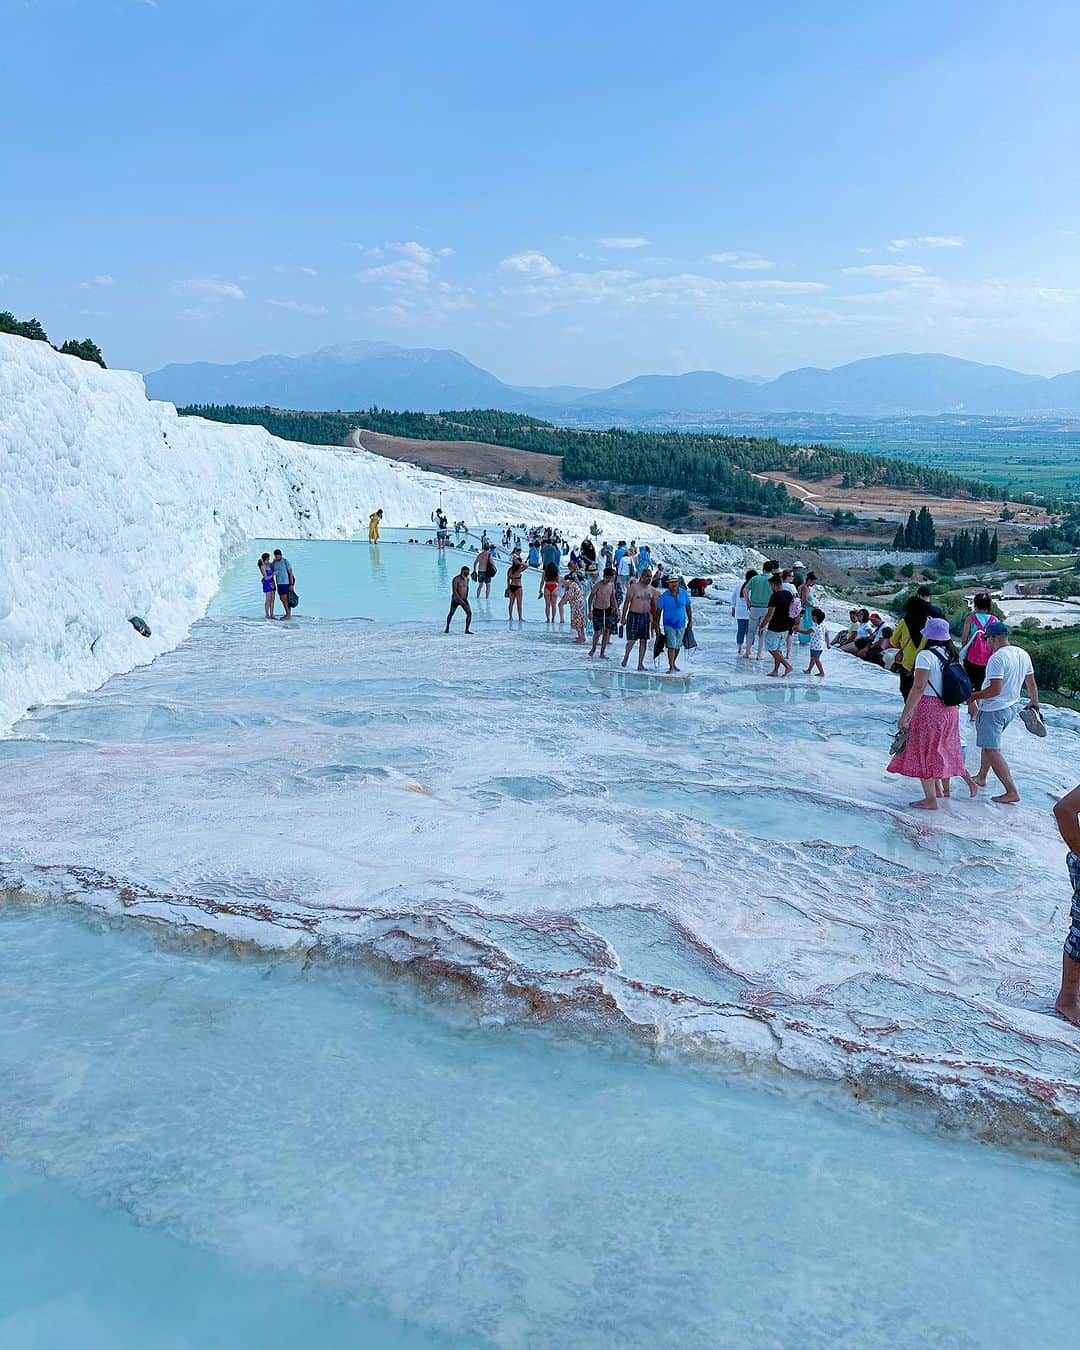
x=459, y=599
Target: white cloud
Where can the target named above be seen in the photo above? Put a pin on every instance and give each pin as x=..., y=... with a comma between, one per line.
x=887, y=271
x=446, y=252
x=926, y=241
x=299, y=306
x=103, y=280
x=413, y=251
x=542, y=292
x=743, y=262
x=795, y=287
x=530, y=264
x=624, y=241
x=222, y=290
x=309, y=271
x=403, y=272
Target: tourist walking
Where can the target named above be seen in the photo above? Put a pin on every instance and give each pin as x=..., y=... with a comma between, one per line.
x=576, y=595
x=514, y=573
x=549, y=590
x=675, y=612
x=775, y=627
x=637, y=617
x=808, y=599
x=932, y=750
x=605, y=613
x=374, y=521
x=975, y=649
x=266, y=572
x=740, y=612
x=759, y=596
x=284, y=580
x=459, y=599
x=1067, y=815
x=484, y=571
x=818, y=638
x=1008, y=673
x=442, y=530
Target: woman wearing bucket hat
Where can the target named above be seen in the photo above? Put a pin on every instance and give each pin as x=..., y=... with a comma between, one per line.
x=933, y=750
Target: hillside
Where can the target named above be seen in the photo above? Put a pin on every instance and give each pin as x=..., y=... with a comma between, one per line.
x=731, y=473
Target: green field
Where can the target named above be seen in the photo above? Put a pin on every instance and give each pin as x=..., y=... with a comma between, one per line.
x=1040, y=455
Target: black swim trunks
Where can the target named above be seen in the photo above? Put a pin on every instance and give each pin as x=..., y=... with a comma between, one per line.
x=638, y=626
x=605, y=618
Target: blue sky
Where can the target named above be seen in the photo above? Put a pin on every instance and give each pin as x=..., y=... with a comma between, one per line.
x=566, y=193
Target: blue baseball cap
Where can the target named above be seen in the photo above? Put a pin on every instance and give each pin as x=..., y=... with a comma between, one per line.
x=997, y=629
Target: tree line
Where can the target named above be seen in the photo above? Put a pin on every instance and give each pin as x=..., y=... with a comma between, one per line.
x=919, y=532
x=715, y=468
x=86, y=349
x=969, y=547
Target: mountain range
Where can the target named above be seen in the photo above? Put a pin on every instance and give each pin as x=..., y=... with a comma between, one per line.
x=421, y=379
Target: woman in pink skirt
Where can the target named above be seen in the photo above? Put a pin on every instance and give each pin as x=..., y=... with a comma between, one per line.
x=934, y=750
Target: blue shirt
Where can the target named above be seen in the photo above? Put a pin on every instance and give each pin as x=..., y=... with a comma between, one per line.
x=673, y=608
x=281, y=571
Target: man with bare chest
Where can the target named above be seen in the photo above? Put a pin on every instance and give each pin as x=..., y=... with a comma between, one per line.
x=459, y=599
x=605, y=612
x=637, y=616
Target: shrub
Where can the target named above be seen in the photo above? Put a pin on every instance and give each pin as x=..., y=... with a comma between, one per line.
x=908, y=570
x=886, y=571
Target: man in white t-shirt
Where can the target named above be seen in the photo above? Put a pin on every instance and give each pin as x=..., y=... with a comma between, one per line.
x=1008, y=673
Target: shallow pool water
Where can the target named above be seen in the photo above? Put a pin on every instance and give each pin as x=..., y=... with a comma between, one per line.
x=391, y=582
x=715, y=866
x=347, y=1144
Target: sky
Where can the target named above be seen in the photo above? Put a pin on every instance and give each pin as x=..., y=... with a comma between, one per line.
x=566, y=193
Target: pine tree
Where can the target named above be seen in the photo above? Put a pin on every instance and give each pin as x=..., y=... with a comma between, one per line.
x=925, y=527
x=911, y=531
x=899, y=542
x=994, y=548
x=86, y=350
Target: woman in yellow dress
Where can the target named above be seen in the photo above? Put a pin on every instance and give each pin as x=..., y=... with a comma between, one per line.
x=373, y=526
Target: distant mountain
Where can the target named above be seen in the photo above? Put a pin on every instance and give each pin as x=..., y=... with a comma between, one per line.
x=698, y=391
x=352, y=375
x=359, y=374
x=887, y=386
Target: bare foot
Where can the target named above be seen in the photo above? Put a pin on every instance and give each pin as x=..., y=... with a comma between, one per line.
x=604, y=657
x=1070, y=1012
x=643, y=670
x=623, y=663
x=980, y=781
x=1006, y=798
x=820, y=674
x=973, y=786
x=923, y=805
x=468, y=632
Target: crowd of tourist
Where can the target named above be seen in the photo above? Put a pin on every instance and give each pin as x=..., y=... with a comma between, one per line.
x=617, y=590
x=621, y=591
